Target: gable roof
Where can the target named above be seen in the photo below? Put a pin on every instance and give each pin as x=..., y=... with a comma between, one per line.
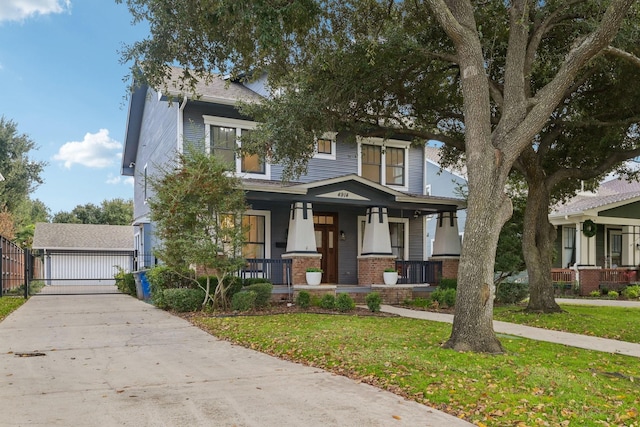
x=609, y=194
x=216, y=90
x=83, y=236
x=318, y=189
x=432, y=155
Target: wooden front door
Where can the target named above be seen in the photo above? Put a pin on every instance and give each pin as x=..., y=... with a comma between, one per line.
x=326, y=229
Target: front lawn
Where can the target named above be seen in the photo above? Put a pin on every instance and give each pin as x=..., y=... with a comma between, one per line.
x=534, y=383
x=9, y=304
x=619, y=323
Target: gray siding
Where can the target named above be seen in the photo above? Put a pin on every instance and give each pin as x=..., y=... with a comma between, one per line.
x=158, y=141
x=416, y=162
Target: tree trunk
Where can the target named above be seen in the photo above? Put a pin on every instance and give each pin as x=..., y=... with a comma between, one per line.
x=488, y=209
x=537, y=247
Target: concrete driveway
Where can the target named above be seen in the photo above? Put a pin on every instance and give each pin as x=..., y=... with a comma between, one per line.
x=111, y=360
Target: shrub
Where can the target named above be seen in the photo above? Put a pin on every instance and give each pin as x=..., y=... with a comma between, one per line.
x=233, y=285
x=263, y=293
x=314, y=301
x=448, y=283
x=314, y=270
x=511, y=292
x=373, y=301
x=35, y=286
x=328, y=301
x=631, y=292
x=303, y=300
x=244, y=300
x=345, y=303
x=183, y=299
x=125, y=282
x=444, y=297
x=594, y=294
x=613, y=294
x=420, y=302
x=162, y=277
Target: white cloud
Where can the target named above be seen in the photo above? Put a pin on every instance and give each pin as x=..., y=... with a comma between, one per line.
x=96, y=150
x=19, y=10
x=115, y=180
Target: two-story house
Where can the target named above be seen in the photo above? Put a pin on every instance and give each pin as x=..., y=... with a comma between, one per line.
x=360, y=208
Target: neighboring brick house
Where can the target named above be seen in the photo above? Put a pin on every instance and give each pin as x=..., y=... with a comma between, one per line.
x=361, y=206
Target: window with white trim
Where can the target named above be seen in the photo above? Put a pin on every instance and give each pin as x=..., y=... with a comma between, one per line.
x=223, y=138
x=385, y=163
x=398, y=232
x=325, y=147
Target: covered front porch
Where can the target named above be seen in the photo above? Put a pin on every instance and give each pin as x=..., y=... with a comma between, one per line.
x=598, y=246
x=350, y=228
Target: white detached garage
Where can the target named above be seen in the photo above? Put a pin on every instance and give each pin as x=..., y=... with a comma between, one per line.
x=83, y=254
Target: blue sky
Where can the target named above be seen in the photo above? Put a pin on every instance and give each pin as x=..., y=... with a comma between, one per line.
x=61, y=82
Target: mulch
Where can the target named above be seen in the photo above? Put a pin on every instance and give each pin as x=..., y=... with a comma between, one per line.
x=284, y=308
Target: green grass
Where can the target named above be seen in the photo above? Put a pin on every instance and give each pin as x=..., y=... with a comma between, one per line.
x=617, y=323
x=9, y=304
x=534, y=383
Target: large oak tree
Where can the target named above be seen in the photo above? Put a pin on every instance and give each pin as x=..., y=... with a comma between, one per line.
x=380, y=67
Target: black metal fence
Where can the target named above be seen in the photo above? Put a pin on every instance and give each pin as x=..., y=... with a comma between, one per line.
x=276, y=271
x=417, y=272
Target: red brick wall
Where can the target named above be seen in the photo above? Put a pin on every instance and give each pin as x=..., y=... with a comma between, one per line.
x=450, y=268
x=370, y=269
x=299, y=265
x=589, y=280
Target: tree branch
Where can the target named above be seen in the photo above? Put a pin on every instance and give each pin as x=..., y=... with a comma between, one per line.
x=627, y=56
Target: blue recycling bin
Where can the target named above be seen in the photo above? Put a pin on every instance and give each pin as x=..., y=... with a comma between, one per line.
x=143, y=290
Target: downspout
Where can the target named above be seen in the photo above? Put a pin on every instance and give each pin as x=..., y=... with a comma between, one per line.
x=180, y=127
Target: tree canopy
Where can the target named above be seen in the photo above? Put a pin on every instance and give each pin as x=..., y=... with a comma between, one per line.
x=113, y=212
x=197, y=208
x=485, y=77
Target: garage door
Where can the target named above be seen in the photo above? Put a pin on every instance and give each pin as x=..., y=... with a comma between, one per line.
x=81, y=272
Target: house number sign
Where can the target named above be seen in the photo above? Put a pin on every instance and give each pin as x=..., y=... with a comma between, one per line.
x=342, y=194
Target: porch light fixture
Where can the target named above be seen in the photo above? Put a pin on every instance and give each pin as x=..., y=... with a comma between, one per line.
x=342, y=235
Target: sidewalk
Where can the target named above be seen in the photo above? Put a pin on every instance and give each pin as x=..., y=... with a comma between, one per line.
x=565, y=338
x=111, y=360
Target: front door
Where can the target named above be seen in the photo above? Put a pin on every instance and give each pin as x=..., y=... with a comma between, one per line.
x=326, y=228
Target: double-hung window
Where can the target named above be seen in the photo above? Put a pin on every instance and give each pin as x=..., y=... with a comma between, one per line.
x=223, y=138
x=385, y=164
x=326, y=146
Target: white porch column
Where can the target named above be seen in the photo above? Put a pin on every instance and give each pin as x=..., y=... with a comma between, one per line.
x=301, y=237
x=629, y=246
x=585, y=248
x=376, y=240
x=447, y=238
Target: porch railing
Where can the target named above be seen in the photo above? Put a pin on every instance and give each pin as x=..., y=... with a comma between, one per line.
x=418, y=272
x=277, y=271
x=562, y=275
x=617, y=276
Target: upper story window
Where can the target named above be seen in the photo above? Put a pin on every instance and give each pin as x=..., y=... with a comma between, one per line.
x=385, y=164
x=326, y=146
x=253, y=163
x=222, y=143
x=223, y=138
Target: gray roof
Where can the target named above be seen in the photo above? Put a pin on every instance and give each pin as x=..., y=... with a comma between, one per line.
x=83, y=236
x=214, y=88
x=609, y=192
